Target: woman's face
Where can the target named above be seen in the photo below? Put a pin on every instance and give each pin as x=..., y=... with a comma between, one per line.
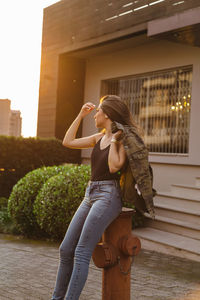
x=100, y=118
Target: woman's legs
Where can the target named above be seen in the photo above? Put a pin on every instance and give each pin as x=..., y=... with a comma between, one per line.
x=106, y=206
x=67, y=249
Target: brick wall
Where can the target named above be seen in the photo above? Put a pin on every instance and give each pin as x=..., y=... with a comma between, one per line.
x=71, y=22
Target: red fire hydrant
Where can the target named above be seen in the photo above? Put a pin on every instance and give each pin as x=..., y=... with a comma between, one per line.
x=115, y=255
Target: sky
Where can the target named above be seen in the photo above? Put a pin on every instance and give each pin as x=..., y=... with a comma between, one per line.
x=20, y=55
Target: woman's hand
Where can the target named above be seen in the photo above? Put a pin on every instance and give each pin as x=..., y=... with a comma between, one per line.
x=118, y=135
x=70, y=139
x=86, y=109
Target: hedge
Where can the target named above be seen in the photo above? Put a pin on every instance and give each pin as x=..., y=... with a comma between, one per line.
x=22, y=155
x=24, y=193
x=6, y=224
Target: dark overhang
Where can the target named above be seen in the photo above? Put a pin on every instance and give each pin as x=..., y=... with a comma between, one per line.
x=182, y=27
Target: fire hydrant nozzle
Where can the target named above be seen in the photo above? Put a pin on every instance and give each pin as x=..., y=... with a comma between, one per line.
x=105, y=255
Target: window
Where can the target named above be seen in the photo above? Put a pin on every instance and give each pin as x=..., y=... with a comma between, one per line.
x=160, y=103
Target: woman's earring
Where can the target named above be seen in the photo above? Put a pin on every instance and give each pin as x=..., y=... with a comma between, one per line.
x=106, y=117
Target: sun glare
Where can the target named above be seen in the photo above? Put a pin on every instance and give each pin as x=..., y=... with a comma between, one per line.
x=20, y=54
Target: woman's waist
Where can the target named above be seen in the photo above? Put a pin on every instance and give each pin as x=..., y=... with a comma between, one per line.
x=114, y=182
x=104, y=176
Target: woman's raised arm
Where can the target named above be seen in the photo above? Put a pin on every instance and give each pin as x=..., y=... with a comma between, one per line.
x=70, y=139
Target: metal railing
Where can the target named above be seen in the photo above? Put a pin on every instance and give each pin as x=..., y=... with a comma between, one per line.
x=160, y=103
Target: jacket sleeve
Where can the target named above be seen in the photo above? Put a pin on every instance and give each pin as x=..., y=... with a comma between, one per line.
x=140, y=169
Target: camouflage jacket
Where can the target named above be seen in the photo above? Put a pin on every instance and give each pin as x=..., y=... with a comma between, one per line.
x=136, y=178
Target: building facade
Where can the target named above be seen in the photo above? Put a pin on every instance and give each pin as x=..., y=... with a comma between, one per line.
x=15, y=123
x=148, y=52
x=4, y=116
x=10, y=120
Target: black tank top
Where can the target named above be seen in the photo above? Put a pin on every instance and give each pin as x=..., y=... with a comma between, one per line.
x=99, y=164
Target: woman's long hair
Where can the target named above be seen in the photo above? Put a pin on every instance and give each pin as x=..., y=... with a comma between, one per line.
x=117, y=110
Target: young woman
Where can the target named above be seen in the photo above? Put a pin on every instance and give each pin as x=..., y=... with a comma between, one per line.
x=102, y=201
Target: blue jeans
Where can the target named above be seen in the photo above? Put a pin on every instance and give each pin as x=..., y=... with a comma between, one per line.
x=100, y=206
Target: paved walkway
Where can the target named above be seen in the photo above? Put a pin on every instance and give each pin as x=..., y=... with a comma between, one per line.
x=28, y=271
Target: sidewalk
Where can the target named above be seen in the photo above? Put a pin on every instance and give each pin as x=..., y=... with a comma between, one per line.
x=28, y=271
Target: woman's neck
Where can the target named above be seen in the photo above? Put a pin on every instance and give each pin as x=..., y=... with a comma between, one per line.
x=108, y=133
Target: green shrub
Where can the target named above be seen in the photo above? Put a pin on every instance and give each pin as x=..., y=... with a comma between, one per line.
x=4, y=216
x=59, y=198
x=3, y=202
x=21, y=200
x=22, y=155
x=6, y=224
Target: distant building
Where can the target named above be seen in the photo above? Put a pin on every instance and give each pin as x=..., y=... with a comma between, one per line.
x=15, y=123
x=10, y=120
x=4, y=116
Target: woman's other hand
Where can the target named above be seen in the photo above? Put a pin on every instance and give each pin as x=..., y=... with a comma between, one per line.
x=118, y=135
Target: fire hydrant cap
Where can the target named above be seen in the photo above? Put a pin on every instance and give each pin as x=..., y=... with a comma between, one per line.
x=130, y=245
